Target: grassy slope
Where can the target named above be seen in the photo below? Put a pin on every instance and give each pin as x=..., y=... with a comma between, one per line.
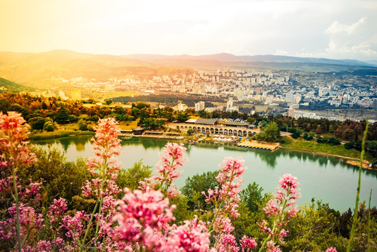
x=10, y=86
x=312, y=146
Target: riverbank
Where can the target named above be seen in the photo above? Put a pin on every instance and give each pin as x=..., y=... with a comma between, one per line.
x=352, y=155
x=58, y=134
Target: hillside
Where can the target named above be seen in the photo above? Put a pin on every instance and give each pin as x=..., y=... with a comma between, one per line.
x=224, y=61
x=36, y=69
x=33, y=68
x=9, y=86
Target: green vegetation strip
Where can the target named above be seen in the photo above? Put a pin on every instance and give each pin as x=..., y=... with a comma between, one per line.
x=312, y=146
x=58, y=134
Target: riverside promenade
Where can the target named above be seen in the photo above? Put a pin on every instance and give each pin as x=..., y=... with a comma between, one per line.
x=259, y=145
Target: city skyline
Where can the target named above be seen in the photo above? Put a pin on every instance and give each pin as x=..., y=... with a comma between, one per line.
x=329, y=29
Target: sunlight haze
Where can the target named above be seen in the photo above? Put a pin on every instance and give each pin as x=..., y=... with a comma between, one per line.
x=330, y=29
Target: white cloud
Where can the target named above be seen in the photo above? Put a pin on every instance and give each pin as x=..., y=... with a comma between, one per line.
x=349, y=41
x=337, y=27
x=281, y=52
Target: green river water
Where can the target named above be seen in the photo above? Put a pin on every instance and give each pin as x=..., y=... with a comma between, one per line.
x=320, y=177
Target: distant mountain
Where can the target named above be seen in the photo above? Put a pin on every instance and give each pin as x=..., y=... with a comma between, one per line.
x=226, y=57
x=27, y=68
x=35, y=69
x=374, y=62
x=10, y=86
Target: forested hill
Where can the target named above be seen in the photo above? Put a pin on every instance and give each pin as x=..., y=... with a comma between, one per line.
x=35, y=68
x=10, y=86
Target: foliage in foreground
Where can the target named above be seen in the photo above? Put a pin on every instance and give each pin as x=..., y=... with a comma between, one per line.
x=98, y=215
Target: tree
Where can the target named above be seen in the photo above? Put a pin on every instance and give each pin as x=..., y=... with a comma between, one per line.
x=252, y=196
x=190, y=132
x=182, y=116
x=131, y=177
x=37, y=123
x=105, y=111
x=250, y=120
x=62, y=116
x=4, y=106
x=270, y=133
x=82, y=125
x=108, y=101
x=48, y=126
x=18, y=108
x=194, y=187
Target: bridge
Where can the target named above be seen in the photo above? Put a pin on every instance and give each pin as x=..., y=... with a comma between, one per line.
x=213, y=129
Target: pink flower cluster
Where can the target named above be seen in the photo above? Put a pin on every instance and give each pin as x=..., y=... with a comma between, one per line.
x=272, y=247
x=247, y=244
x=75, y=226
x=227, y=243
x=168, y=168
x=227, y=196
x=106, y=145
x=279, y=210
x=13, y=147
x=141, y=215
x=331, y=250
x=29, y=220
x=57, y=209
x=190, y=237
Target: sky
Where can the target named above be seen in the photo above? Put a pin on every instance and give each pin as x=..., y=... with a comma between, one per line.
x=337, y=29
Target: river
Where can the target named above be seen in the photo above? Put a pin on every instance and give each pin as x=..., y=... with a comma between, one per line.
x=320, y=177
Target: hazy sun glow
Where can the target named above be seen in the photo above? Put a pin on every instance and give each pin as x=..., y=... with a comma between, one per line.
x=313, y=28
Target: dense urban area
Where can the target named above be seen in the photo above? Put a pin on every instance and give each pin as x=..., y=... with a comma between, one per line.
x=294, y=94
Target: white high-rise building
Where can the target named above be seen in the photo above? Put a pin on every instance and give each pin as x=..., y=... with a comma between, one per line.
x=229, y=104
x=290, y=97
x=200, y=106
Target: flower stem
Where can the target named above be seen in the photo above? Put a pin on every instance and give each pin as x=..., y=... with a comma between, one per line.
x=88, y=228
x=370, y=199
x=352, y=234
x=17, y=210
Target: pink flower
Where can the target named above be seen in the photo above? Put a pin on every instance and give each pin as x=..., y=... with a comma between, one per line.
x=230, y=181
x=272, y=247
x=168, y=165
x=280, y=209
x=223, y=225
x=227, y=243
x=247, y=243
x=331, y=249
x=142, y=214
x=191, y=237
x=75, y=226
x=14, y=131
x=44, y=246
x=57, y=209
x=29, y=220
x=106, y=145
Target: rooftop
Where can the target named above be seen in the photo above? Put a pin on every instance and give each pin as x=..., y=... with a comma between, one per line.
x=206, y=121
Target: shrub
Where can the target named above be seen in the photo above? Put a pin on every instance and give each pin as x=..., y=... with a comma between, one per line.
x=321, y=140
x=295, y=135
x=94, y=118
x=334, y=141
x=82, y=125
x=349, y=145
x=307, y=137
x=49, y=126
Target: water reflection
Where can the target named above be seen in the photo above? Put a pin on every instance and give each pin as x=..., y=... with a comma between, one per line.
x=323, y=177
x=267, y=157
x=79, y=142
